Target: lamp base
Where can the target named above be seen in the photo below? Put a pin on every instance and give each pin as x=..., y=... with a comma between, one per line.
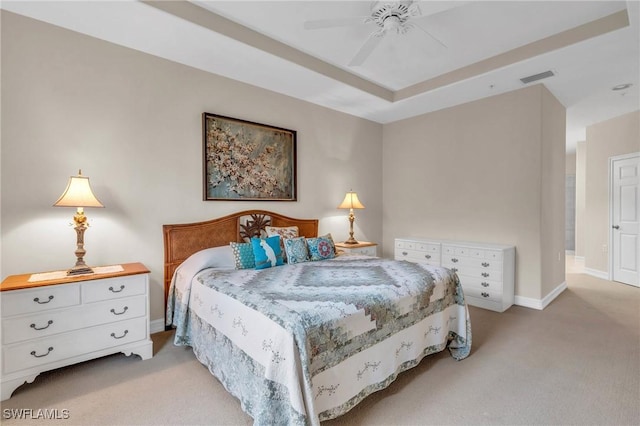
x=79, y=270
x=351, y=240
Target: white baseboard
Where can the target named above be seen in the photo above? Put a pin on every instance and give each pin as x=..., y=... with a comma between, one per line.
x=540, y=304
x=579, y=258
x=156, y=326
x=596, y=273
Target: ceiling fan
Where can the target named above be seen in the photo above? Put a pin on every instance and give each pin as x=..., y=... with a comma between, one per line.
x=392, y=17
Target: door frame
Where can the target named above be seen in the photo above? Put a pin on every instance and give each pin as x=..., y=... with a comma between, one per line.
x=611, y=161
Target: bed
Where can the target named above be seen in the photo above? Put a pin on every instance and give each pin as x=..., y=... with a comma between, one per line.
x=305, y=342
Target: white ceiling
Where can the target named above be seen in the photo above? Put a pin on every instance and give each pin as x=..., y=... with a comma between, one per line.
x=489, y=47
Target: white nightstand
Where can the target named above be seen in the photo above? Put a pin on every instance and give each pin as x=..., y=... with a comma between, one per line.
x=366, y=248
x=51, y=323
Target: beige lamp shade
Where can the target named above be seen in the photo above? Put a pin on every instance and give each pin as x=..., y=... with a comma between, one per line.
x=78, y=193
x=351, y=201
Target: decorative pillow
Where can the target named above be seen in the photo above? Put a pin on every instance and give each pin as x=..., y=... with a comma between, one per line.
x=330, y=238
x=320, y=248
x=284, y=232
x=243, y=255
x=267, y=252
x=296, y=250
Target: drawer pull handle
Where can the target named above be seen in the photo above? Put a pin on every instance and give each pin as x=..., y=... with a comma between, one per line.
x=119, y=337
x=484, y=274
x=404, y=253
x=37, y=300
x=484, y=294
x=454, y=269
x=41, y=328
x=40, y=356
x=116, y=291
x=485, y=264
x=113, y=311
x=454, y=260
x=428, y=256
x=484, y=284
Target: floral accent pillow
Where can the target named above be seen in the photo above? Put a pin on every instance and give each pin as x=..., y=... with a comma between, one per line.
x=243, y=255
x=267, y=252
x=296, y=250
x=284, y=232
x=330, y=238
x=320, y=248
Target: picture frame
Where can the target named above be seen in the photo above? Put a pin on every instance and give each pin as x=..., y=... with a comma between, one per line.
x=247, y=161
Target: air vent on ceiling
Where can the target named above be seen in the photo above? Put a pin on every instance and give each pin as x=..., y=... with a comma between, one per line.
x=536, y=77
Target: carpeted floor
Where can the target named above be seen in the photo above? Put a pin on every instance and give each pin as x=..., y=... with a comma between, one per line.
x=575, y=363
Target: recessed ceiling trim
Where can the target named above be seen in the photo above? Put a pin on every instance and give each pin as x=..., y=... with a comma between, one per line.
x=601, y=26
x=214, y=22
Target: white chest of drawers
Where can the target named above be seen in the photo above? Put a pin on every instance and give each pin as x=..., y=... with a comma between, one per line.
x=486, y=271
x=53, y=323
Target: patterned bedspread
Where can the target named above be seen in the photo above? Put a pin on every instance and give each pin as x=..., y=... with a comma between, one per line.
x=301, y=343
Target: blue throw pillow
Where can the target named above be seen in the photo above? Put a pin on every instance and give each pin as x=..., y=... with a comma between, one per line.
x=320, y=248
x=267, y=252
x=296, y=250
x=243, y=255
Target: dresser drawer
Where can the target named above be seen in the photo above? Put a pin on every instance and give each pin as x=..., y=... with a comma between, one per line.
x=66, y=345
x=40, y=299
x=479, y=293
x=25, y=327
x=417, y=256
x=404, y=244
x=367, y=251
x=480, y=273
x=112, y=288
x=473, y=262
x=481, y=283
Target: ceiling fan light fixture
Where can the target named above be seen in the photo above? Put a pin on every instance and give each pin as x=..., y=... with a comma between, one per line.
x=392, y=24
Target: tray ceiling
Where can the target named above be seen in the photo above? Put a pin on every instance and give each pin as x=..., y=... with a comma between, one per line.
x=591, y=46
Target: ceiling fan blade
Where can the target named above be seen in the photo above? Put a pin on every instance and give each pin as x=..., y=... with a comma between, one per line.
x=429, y=34
x=335, y=22
x=435, y=8
x=367, y=48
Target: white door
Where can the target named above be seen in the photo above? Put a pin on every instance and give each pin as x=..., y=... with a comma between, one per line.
x=625, y=219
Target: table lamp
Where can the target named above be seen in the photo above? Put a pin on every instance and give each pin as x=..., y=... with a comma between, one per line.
x=78, y=194
x=351, y=202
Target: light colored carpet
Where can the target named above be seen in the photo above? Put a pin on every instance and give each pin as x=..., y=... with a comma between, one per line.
x=575, y=363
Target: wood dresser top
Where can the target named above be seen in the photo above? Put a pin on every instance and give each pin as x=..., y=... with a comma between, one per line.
x=16, y=282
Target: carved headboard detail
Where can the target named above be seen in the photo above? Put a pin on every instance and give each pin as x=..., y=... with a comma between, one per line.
x=183, y=240
x=253, y=227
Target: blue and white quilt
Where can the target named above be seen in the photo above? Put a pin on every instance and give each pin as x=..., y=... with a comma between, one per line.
x=297, y=344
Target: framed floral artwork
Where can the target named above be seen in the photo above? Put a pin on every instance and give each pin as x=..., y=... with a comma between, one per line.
x=247, y=161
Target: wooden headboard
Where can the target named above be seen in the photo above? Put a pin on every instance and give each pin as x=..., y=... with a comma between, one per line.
x=183, y=240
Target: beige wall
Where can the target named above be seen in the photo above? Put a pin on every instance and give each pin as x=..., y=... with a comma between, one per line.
x=483, y=171
x=581, y=165
x=552, y=207
x=132, y=122
x=570, y=164
x=620, y=135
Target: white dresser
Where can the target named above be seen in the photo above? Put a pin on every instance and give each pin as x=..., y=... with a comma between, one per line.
x=486, y=271
x=52, y=323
